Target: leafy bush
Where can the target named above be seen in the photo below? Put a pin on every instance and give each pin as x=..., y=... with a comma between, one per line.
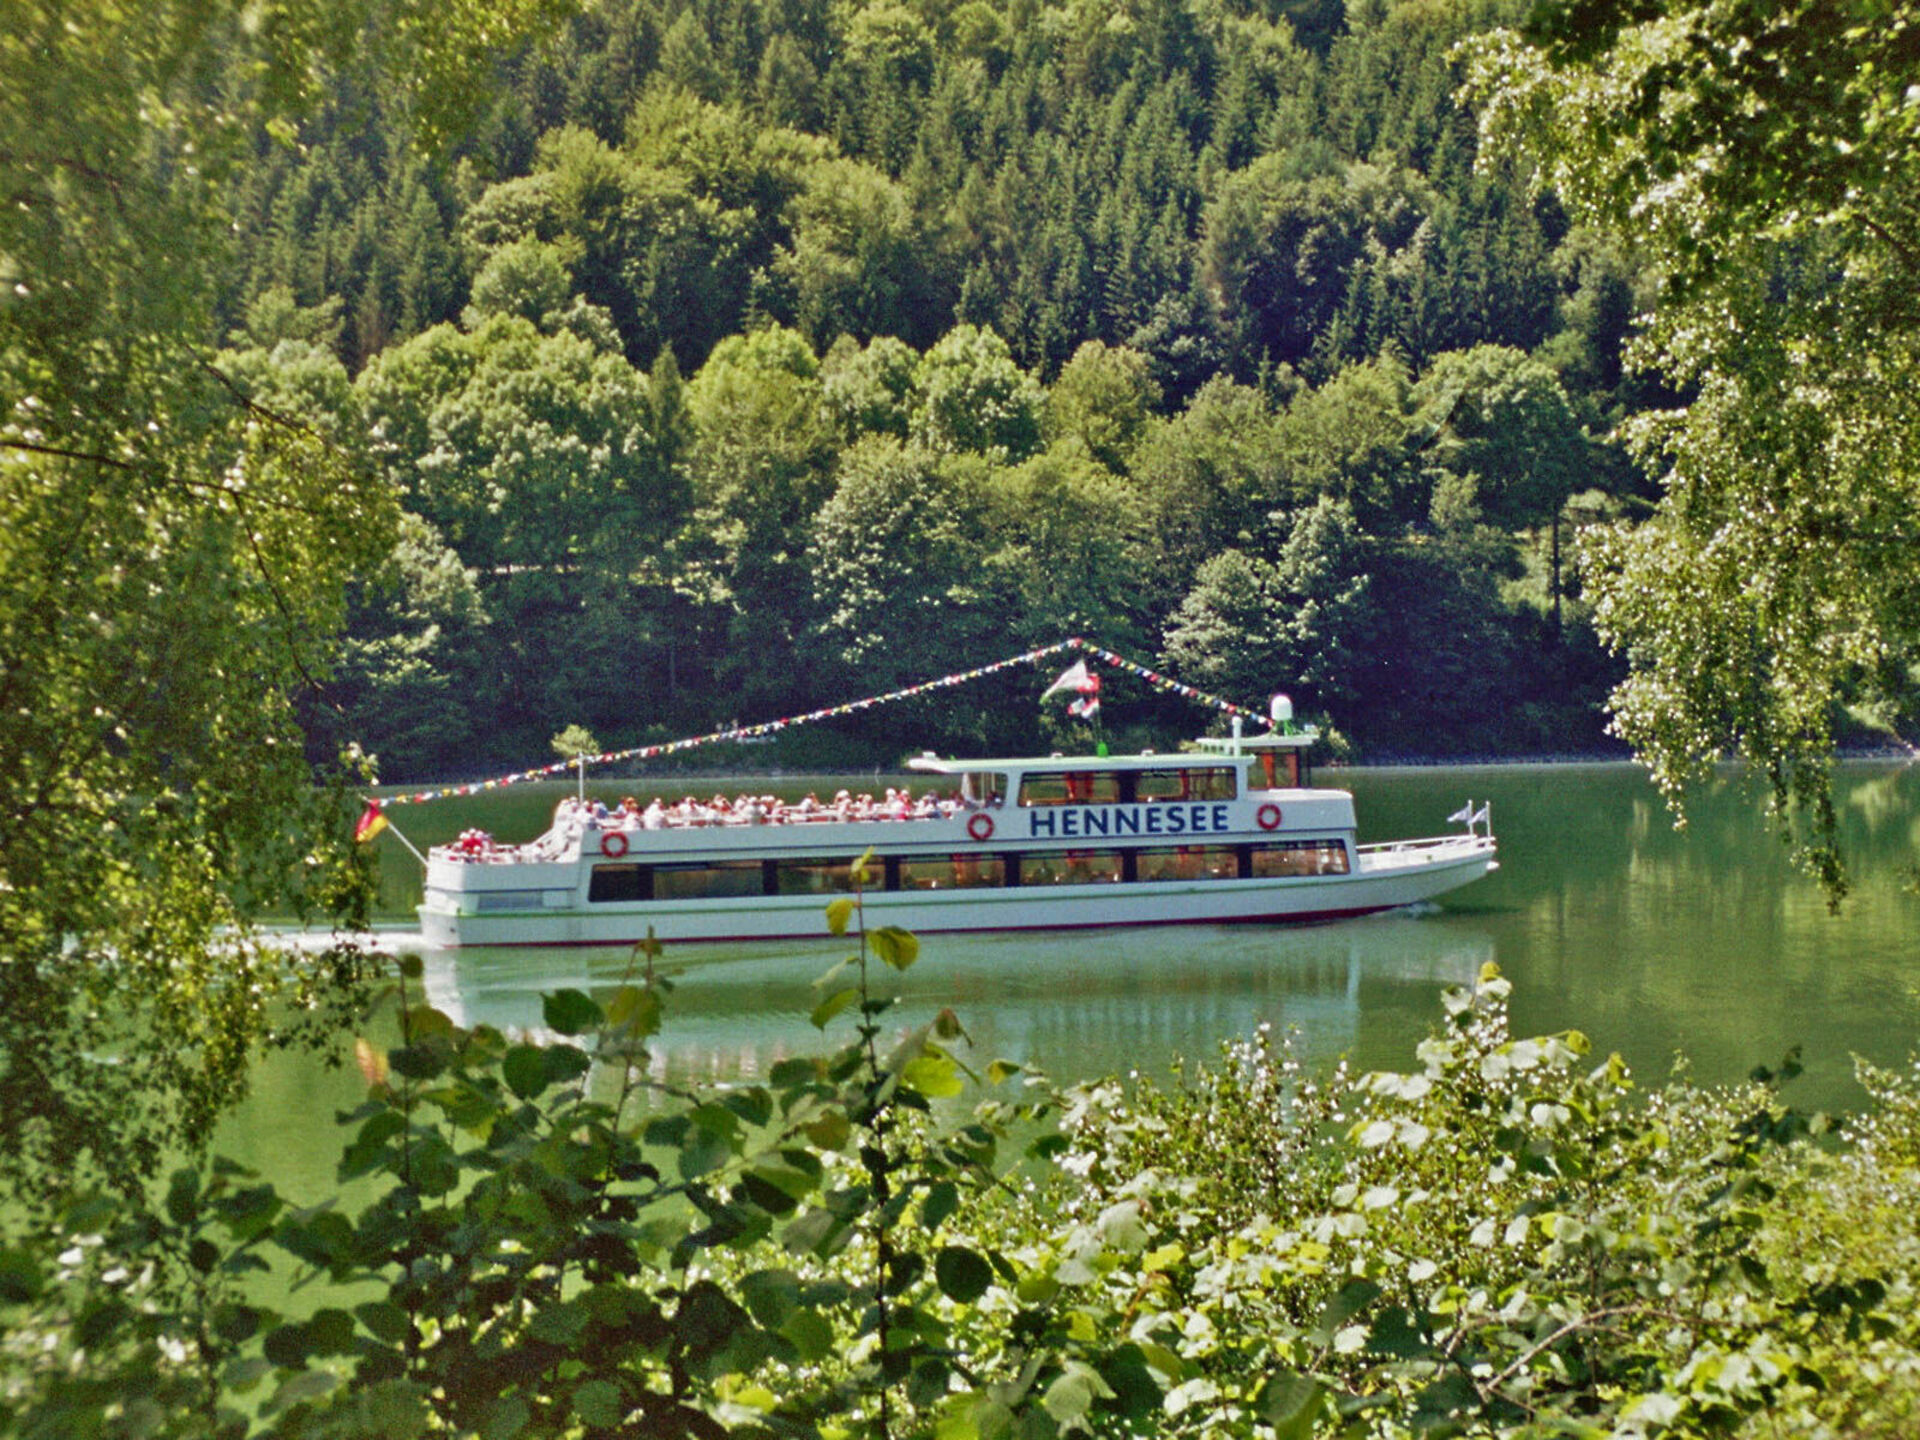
x=1508, y=1240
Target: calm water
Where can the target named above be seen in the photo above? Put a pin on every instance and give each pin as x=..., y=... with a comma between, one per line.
x=1654, y=943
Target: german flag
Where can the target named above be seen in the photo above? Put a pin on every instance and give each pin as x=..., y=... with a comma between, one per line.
x=371, y=823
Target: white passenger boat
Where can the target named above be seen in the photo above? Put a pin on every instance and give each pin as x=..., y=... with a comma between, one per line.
x=1228, y=832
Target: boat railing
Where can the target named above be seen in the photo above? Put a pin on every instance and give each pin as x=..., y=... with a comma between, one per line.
x=1432, y=848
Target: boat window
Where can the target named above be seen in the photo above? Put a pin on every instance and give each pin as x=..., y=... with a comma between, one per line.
x=1189, y=782
x=1073, y=867
x=952, y=872
x=717, y=879
x=983, y=787
x=620, y=882
x=1300, y=857
x=488, y=900
x=1069, y=787
x=1188, y=862
x=816, y=877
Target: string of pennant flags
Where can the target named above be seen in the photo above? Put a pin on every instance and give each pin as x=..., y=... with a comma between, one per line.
x=772, y=727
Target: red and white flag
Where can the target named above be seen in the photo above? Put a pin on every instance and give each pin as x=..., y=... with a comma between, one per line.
x=1088, y=705
x=1075, y=677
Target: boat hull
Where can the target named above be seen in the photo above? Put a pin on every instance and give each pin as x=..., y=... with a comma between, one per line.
x=1382, y=881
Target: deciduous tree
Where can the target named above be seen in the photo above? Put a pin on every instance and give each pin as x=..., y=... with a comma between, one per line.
x=1763, y=156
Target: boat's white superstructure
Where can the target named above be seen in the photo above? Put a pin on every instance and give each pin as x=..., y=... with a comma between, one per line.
x=1225, y=834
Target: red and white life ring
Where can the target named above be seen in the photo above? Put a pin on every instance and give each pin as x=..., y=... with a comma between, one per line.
x=1268, y=816
x=614, y=845
x=980, y=827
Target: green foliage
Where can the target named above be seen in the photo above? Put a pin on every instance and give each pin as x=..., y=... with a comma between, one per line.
x=899, y=563
x=574, y=742
x=974, y=399
x=1509, y=1239
x=1774, y=584
x=1103, y=398
x=180, y=527
x=1137, y=203
x=1251, y=625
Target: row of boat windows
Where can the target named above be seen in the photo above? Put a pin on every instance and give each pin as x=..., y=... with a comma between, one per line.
x=723, y=879
x=1121, y=787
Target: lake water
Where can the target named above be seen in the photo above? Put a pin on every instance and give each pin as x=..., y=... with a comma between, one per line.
x=1705, y=943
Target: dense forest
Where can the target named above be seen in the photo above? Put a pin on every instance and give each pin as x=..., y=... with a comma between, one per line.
x=645, y=367
x=746, y=357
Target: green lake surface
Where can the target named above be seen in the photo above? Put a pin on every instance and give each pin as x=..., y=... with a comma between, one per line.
x=1705, y=943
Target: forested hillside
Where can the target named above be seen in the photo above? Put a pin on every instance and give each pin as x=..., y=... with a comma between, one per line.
x=754, y=354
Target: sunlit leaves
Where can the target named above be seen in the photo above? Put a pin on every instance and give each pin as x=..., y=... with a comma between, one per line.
x=1234, y=1255
x=1730, y=143
x=896, y=947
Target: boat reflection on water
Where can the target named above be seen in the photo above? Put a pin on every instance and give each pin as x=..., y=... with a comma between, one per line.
x=1076, y=1005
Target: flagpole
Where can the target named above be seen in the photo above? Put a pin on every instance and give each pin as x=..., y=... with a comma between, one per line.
x=401, y=837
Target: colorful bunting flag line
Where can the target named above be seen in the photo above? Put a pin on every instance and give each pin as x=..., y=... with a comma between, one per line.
x=772, y=727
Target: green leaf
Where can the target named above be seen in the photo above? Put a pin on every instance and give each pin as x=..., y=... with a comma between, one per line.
x=830, y=1131
x=508, y=1418
x=1354, y=1297
x=571, y=1012
x=899, y=948
x=927, y=1383
x=811, y=1335
x=599, y=1405
x=1290, y=1403
x=566, y=1062
x=384, y=1320
x=839, y=913
x=974, y=1417
x=330, y=1331
x=236, y=1324
x=287, y=1346
x=307, y=1385
x=832, y=1006
x=943, y=1198
x=771, y=1296
x=707, y=1319
x=793, y=1071
x=525, y=1070
x=962, y=1274
x=418, y=1062
x=1395, y=1334
x=1121, y=1229
x=789, y=1180
x=635, y=1009
x=704, y=1152
x=1072, y=1394
x=819, y=1232
x=183, y=1197
x=934, y=1076
x=834, y=971
x=752, y=1104
x=423, y=1022
x=559, y=1323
